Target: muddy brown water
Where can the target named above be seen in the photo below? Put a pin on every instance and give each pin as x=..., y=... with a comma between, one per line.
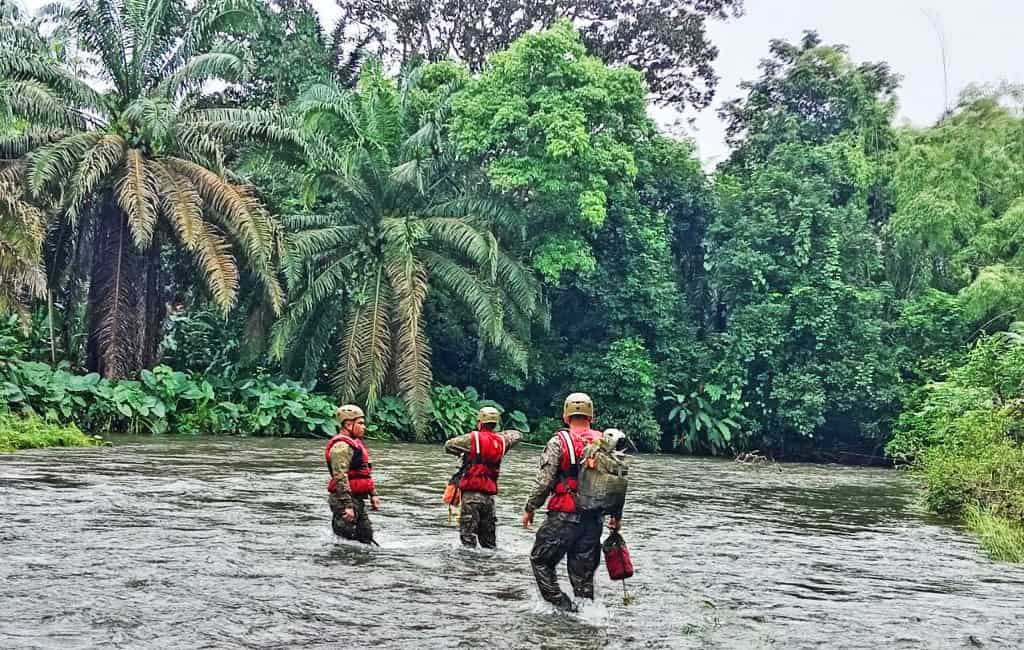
x=226, y=543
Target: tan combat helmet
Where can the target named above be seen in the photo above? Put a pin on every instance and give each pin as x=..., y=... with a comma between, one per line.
x=578, y=404
x=488, y=415
x=348, y=412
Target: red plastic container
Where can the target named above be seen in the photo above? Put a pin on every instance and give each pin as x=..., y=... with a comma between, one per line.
x=616, y=557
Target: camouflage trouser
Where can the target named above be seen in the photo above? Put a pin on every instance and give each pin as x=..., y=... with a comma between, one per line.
x=359, y=529
x=576, y=536
x=478, y=520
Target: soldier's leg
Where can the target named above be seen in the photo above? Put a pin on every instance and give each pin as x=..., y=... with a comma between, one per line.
x=585, y=556
x=469, y=522
x=338, y=523
x=363, y=529
x=554, y=539
x=358, y=529
x=488, y=524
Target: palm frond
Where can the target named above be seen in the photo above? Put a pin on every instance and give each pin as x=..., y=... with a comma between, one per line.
x=469, y=289
x=244, y=217
x=96, y=166
x=34, y=101
x=245, y=124
x=313, y=242
x=138, y=194
x=218, y=266
x=53, y=162
x=157, y=115
x=408, y=279
x=227, y=65
x=179, y=203
x=21, y=144
x=462, y=235
x=22, y=229
x=241, y=213
x=365, y=354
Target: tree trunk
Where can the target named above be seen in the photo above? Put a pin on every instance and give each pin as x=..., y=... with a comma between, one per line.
x=155, y=306
x=117, y=299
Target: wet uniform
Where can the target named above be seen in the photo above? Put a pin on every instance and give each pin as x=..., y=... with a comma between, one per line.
x=573, y=534
x=342, y=457
x=478, y=520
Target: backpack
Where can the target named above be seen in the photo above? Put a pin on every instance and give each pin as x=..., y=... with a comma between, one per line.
x=603, y=478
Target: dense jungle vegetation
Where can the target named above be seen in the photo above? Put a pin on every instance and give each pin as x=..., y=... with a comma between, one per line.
x=223, y=217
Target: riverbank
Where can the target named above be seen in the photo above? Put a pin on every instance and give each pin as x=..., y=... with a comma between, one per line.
x=18, y=433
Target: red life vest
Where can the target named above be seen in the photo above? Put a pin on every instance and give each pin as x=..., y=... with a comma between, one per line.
x=564, y=499
x=360, y=479
x=486, y=449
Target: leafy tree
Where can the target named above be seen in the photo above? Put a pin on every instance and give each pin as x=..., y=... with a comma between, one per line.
x=555, y=129
x=958, y=197
x=409, y=222
x=811, y=92
x=793, y=258
x=133, y=167
x=287, y=51
x=667, y=39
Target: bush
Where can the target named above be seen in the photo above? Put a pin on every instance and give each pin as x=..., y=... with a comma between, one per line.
x=964, y=438
x=621, y=381
x=164, y=401
x=452, y=413
x=33, y=433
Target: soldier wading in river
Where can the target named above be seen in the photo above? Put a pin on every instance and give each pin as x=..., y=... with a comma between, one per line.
x=351, y=484
x=567, y=530
x=482, y=451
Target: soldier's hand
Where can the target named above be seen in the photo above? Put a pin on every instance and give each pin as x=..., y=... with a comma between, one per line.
x=375, y=503
x=527, y=520
x=349, y=515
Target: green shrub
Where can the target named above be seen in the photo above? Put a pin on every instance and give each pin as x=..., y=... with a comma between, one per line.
x=964, y=437
x=1001, y=537
x=33, y=433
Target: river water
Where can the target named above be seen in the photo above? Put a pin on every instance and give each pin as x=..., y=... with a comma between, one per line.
x=224, y=543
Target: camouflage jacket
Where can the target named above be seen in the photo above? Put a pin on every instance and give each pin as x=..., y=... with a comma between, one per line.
x=547, y=474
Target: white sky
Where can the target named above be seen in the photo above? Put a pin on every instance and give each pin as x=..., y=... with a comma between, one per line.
x=983, y=44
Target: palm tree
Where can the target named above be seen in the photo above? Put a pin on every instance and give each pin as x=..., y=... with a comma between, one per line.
x=131, y=163
x=406, y=222
x=22, y=225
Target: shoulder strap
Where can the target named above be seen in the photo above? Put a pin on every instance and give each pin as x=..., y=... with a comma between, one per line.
x=567, y=440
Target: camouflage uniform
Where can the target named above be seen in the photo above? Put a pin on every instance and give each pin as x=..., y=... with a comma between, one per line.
x=575, y=535
x=358, y=529
x=477, y=519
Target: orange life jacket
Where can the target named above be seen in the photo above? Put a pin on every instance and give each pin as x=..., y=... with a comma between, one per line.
x=564, y=498
x=486, y=449
x=360, y=479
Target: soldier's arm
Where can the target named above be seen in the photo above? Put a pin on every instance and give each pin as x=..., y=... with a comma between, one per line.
x=544, y=482
x=341, y=459
x=511, y=437
x=458, y=445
